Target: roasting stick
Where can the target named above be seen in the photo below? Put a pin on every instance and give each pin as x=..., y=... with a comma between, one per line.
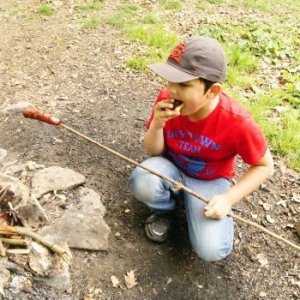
x=46, y=118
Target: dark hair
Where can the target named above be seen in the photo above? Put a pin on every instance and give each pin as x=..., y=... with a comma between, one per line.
x=207, y=84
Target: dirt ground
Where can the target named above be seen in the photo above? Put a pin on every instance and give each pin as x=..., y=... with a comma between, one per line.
x=80, y=75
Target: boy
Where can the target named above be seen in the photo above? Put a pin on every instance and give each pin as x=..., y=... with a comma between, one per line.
x=197, y=144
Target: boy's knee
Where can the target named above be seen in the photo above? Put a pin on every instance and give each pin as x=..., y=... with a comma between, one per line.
x=143, y=185
x=212, y=252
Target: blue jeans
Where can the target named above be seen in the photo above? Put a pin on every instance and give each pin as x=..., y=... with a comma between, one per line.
x=211, y=239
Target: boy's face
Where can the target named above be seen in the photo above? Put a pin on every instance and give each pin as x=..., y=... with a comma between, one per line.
x=192, y=94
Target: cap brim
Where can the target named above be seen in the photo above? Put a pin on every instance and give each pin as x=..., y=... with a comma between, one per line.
x=171, y=73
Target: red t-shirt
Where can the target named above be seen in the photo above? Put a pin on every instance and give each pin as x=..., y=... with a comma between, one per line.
x=206, y=149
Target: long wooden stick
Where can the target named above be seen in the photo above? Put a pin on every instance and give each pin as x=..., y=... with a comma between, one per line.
x=35, y=114
x=179, y=185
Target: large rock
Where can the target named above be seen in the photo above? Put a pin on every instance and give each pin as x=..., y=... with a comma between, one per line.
x=83, y=227
x=31, y=213
x=53, y=269
x=3, y=154
x=4, y=276
x=55, y=178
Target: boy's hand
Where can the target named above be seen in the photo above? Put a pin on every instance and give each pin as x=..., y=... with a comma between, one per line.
x=163, y=111
x=218, y=207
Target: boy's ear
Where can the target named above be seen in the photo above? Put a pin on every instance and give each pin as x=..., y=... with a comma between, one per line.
x=214, y=90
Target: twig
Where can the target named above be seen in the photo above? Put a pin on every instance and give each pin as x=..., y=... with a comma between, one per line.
x=4, y=192
x=265, y=230
x=23, y=266
x=37, y=203
x=18, y=251
x=24, y=231
x=3, y=189
x=51, y=71
x=18, y=242
x=12, y=212
x=2, y=249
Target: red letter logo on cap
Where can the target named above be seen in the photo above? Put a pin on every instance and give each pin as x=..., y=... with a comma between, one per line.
x=177, y=52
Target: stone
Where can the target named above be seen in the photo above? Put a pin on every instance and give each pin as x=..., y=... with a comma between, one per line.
x=3, y=154
x=4, y=276
x=53, y=269
x=31, y=213
x=55, y=178
x=83, y=227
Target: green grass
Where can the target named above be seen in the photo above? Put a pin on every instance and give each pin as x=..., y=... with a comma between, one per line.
x=174, y=5
x=280, y=123
x=268, y=36
x=90, y=22
x=46, y=10
x=90, y=5
x=147, y=30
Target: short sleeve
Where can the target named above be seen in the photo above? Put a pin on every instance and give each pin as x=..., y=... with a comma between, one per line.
x=251, y=143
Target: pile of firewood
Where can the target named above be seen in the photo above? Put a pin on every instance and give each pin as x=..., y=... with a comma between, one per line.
x=14, y=238
x=10, y=241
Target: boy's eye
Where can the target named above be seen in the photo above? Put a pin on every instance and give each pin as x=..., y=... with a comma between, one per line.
x=183, y=84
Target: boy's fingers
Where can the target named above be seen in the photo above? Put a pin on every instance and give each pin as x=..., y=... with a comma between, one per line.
x=209, y=205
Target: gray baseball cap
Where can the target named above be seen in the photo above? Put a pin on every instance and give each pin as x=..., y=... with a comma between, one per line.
x=194, y=57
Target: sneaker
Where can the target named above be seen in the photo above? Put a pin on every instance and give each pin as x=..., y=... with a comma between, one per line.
x=157, y=227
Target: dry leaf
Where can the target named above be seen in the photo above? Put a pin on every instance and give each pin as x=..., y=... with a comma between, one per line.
x=262, y=259
x=296, y=198
x=266, y=206
x=282, y=203
x=262, y=294
x=270, y=219
x=115, y=281
x=32, y=165
x=130, y=279
x=62, y=197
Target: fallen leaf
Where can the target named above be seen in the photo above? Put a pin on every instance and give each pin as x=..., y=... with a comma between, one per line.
x=296, y=198
x=262, y=259
x=270, y=219
x=281, y=203
x=32, y=165
x=262, y=294
x=169, y=280
x=115, y=281
x=290, y=225
x=130, y=279
x=60, y=196
x=266, y=206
